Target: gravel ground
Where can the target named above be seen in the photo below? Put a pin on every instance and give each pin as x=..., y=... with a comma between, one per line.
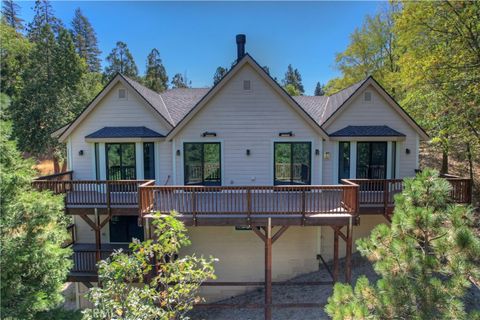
x=302, y=294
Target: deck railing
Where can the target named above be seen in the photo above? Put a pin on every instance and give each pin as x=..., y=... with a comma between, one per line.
x=100, y=193
x=249, y=200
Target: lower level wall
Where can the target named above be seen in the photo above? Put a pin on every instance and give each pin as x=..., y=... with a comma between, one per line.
x=240, y=255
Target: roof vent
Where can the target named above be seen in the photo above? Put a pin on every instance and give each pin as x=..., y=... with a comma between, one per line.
x=241, y=40
x=367, y=96
x=122, y=94
x=246, y=85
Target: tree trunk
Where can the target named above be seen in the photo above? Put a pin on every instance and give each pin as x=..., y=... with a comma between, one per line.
x=64, y=166
x=56, y=165
x=470, y=160
x=444, y=169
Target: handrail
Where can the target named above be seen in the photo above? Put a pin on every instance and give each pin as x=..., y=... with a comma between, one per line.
x=56, y=175
x=249, y=200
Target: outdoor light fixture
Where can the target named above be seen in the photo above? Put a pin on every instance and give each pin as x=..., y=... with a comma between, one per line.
x=326, y=155
x=80, y=153
x=178, y=152
x=209, y=134
x=286, y=134
x=317, y=152
x=248, y=152
x=407, y=151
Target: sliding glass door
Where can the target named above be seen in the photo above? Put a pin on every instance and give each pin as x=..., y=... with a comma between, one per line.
x=202, y=163
x=120, y=161
x=292, y=163
x=371, y=160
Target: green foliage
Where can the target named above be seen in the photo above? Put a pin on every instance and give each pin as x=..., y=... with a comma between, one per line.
x=130, y=290
x=425, y=259
x=178, y=81
x=10, y=16
x=34, y=266
x=121, y=61
x=292, y=82
x=44, y=16
x=85, y=40
x=14, y=51
x=156, y=77
x=219, y=74
x=50, y=97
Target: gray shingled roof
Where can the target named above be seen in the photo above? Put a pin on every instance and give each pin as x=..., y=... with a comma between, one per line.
x=124, y=132
x=174, y=104
x=367, y=131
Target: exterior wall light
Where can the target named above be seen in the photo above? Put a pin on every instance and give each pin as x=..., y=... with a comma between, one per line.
x=80, y=153
x=407, y=151
x=248, y=152
x=326, y=156
x=209, y=134
x=286, y=134
x=178, y=152
x=317, y=152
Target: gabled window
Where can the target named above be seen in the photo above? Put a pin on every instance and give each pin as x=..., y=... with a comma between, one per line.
x=202, y=163
x=292, y=163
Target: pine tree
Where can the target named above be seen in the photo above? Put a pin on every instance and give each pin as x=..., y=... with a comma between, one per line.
x=219, y=74
x=319, y=89
x=121, y=61
x=44, y=15
x=293, y=78
x=49, y=98
x=85, y=40
x=33, y=263
x=156, y=77
x=178, y=81
x=10, y=16
x=426, y=259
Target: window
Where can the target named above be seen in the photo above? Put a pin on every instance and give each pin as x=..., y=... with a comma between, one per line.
x=97, y=161
x=292, y=163
x=371, y=160
x=367, y=96
x=202, y=163
x=122, y=94
x=148, y=160
x=344, y=160
x=124, y=228
x=120, y=161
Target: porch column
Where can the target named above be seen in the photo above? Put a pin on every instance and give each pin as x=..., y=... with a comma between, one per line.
x=348, y=258
x=268, y=270
x=335, y=255
x=98, y=241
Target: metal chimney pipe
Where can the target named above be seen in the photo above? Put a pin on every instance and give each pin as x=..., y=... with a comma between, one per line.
x=241, y=40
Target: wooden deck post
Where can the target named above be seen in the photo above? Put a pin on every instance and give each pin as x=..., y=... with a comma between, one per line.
x=268, y=270
x=348, y=258
x=98, y=241
x=335, y=255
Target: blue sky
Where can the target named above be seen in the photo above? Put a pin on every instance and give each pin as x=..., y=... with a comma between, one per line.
x=197, y=37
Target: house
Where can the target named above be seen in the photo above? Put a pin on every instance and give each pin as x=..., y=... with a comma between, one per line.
x=314, y=173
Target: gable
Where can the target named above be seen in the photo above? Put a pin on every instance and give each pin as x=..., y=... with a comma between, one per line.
x=261, y=76
x=135, y=106
x=381, y=110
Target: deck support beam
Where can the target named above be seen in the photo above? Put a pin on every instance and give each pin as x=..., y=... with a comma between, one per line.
x=348, y=238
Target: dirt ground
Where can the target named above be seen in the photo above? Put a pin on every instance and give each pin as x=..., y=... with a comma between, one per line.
x=303, y=294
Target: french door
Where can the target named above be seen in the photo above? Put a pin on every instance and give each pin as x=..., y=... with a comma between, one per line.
x=371, y=160
x=120, y=161
x=292, y=163
x=202, y=164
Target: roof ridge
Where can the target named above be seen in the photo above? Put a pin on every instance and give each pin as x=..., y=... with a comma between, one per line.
x=346, y=88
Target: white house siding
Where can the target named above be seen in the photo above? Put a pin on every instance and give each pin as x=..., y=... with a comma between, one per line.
x=241, y=255
x=247, y=120
x=112, y=112
x=378, y=112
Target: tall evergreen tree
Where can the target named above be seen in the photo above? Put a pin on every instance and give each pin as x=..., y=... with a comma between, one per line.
x=156, y=77
x=121, y=61
x=49, y=97
x=10, y=16
x=85, y=40
x=219, y=74
x=319, y=89
x=33, y=263
x=44, y=15
x=178, y=81
x=294, y=79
